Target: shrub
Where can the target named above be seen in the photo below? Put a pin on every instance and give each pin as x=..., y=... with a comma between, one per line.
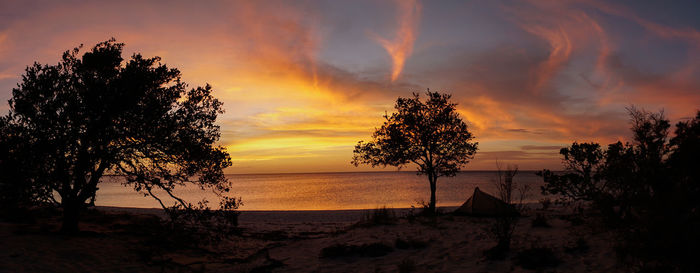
x=337, y=250
x=537, y=258
x=580, y=245
x=203, y=225
x=379, y=216
x=546, y=203
x=407, y=266
x=504, y=224
x=410, y=243
x=540, y=221
x=365, y=250
x=497, y=252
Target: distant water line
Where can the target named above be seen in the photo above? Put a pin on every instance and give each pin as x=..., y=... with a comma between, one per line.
x=329, y=191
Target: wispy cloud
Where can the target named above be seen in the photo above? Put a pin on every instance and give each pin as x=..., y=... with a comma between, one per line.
x=401, y=46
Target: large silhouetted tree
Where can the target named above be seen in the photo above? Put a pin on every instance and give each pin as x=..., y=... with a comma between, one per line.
x=430, y=134
x=98, y=114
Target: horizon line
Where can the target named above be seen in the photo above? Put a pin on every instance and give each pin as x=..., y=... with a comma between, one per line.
x=339, y=172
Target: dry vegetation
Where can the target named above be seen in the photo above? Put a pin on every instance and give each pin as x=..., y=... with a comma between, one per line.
x=120, y=242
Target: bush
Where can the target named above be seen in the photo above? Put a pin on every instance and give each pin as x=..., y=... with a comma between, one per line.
x=407, y=266
x=537, y=258
x=410, y=243
x=497, y=252
x=546, y=203
x=203, y=225
x=337, y=250
x=580, y=245
x=378, y=216
x=576, y=220
x=540, y=221
x=504, y=225
x=365, y=250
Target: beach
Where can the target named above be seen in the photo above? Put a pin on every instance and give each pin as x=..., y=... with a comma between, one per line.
x=118, y=240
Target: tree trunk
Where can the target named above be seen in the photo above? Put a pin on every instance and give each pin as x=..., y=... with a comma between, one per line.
x=432, y=207
x=71, y=216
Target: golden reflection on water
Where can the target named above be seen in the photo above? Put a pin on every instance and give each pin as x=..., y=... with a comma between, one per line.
x=328, y=191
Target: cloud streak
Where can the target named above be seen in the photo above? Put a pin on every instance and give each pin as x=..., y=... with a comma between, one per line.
x=401, y=47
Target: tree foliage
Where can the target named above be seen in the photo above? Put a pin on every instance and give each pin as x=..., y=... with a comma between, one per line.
x=18, y=189
x=430, y=134
x=98, y=114
x=581, y=180
x=648, y=189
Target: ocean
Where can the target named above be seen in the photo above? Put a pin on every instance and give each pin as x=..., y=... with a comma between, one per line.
x=329, y=191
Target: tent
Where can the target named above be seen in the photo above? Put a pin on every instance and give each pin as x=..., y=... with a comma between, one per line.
x=483, y=204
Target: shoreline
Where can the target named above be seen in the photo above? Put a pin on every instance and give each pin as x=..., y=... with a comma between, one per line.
x=283, y=216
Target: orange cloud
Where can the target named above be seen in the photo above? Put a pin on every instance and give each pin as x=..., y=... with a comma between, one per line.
x=560, y=51
x=401, y=47
x=601, y=78
x=567, y=31
x=3, y=40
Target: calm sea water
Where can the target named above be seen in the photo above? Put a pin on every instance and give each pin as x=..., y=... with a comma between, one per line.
x=329, y=191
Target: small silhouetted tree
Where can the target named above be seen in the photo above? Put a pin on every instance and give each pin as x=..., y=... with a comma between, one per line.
x=430, y=134
x=95, y=114
x=580, y=180
x=647, y=189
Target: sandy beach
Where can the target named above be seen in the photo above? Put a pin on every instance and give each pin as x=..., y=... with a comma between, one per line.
x=118, y=240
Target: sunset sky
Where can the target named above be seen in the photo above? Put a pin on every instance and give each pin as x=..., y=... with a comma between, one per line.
x=303, y=81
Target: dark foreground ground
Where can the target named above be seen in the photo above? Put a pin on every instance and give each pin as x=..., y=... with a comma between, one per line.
x=133, y=240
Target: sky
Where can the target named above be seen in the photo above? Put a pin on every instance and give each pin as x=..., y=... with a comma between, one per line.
x=303, y=81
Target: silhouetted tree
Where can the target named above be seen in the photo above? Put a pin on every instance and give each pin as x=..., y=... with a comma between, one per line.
x=660, y=231
x=96, y=114
x=685, y=150
x=684, y=196
x=580, y=180
x=430, y=134
x=18, y=190
x=648, y=189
